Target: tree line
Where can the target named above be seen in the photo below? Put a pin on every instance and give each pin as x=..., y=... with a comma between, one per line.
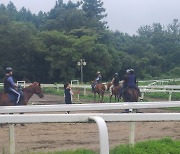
x=46, y=47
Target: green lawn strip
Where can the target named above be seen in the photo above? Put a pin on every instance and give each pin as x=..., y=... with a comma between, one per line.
x=78, y=151
x=163, y=95
x=162, y=146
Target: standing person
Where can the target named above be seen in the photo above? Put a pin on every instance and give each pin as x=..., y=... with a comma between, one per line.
x=115, y=82
x=68, y=93
x=97, y=80
x=9, y=84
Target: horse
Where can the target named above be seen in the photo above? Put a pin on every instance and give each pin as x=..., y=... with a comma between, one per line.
x=27, y=94
x=115, y=91
x=100, y=89
x=130, y=95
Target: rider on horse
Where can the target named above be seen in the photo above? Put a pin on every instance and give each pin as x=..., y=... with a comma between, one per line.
x=115, y=82
x=129, y=81
x=97, y=80
x=9, y=85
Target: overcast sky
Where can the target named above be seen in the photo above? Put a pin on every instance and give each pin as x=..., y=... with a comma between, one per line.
x=123, y=15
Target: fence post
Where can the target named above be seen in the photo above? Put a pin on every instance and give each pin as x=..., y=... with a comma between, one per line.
x=170, y=96
x=131, y=133
x=103, y=134
x=84, y=90
x=11, y=138
x=57, y=86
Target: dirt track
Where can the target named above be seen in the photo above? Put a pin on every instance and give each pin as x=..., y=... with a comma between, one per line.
x=47, y=137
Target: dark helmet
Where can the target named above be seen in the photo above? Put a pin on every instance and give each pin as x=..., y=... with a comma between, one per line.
x=9, y=69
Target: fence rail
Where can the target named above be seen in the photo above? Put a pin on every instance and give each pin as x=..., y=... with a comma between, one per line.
x=87, y=107
x=98, y=118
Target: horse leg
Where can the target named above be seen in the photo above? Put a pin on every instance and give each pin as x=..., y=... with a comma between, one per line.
x=110, y=98
x=102, y=98
x=94, y=97
x=118, y=98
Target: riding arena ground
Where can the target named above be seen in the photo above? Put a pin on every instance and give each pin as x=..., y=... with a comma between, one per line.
x=66, y=136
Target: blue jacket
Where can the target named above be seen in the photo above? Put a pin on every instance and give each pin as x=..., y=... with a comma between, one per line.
x=8, y=83
x=131, y=80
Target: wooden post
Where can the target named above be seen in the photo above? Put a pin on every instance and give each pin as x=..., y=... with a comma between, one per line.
x=11, y=139
x=131, y=133
x=170, y=96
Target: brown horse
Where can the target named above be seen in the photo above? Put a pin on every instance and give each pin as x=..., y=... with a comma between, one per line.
x=130, y=95
x=100, y=89
x=27, y=94
x=115, y=91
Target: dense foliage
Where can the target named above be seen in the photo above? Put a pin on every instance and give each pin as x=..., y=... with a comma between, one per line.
x=46, y=47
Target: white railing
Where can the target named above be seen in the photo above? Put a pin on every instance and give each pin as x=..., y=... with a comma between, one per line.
x=98, y=118
x=85, y=117
x=87, y=107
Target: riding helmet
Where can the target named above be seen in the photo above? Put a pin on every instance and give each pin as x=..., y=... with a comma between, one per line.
x=128, y=71
x=131, y=70
x=116, y=74
x=9, y=69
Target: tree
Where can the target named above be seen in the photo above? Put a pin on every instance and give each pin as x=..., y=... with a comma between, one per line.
x=95, y=13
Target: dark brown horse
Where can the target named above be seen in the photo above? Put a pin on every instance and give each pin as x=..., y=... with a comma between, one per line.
x=27, y=94
x=130, y=95
x=115, y=91
x=100, y=89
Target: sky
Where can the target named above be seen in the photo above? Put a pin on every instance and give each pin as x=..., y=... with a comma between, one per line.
x=123, y=15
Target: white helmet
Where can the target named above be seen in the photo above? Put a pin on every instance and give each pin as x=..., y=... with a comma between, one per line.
x=128, y=71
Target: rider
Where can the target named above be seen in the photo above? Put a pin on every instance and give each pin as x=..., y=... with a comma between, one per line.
x=115, y=82
x=9, y=84
x=97, y=80
x=129, y=81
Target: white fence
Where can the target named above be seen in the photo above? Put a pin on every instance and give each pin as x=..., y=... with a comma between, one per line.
x=87, y=107
x=97, y=117
x=144, y=89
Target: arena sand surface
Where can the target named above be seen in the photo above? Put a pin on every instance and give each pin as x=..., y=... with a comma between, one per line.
x=65, y=136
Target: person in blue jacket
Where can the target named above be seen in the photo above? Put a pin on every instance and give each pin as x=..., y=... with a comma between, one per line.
x=129, y=81
x=9, y=84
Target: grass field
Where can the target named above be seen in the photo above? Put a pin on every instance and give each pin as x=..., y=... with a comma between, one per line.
x=162, y=146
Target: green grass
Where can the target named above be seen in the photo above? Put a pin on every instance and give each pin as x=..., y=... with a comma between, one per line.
x=163, y=95
x=79, y=151
x=86, y=98
x=161, y=146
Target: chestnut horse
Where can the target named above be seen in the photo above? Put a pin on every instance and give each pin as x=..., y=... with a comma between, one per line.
x=115, y=91
x=130, y=95
x=100, y=89
x=27, y=94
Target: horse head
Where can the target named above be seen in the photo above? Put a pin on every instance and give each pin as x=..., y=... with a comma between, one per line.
x=37, y=89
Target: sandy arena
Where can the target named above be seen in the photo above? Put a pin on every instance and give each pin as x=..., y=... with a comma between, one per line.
x=63, y=136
